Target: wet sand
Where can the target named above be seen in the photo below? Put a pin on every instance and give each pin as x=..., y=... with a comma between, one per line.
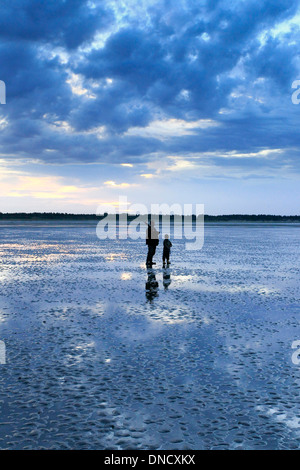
x=99, y=356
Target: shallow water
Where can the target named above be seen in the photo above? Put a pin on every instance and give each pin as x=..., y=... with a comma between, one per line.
x=102, y=354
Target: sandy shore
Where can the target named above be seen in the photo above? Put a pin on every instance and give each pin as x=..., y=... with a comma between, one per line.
x=98, y=357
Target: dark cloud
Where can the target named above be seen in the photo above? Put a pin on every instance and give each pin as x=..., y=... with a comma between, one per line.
x=68, y=23
x=36, y=84
x=275, y=61
x=183, y=60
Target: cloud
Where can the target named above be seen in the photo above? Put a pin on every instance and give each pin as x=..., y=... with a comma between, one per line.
x=16, y=185
x=44, y=192
x=113, y=184
x=166, y=129
x=67, y=23
x=130, y=83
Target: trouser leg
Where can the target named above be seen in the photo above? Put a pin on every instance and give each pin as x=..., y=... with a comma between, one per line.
x=151, y=253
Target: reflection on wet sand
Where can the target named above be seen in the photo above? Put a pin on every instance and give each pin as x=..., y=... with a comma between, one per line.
x=206, y=358
x=152, y=285
x=166, y=278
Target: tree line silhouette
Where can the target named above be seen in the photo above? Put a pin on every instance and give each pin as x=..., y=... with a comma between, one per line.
x=207, y=218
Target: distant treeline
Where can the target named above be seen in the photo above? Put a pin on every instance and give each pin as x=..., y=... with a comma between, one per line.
x=207, y=218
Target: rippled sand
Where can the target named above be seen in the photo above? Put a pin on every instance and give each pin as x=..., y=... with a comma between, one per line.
x=102, y=354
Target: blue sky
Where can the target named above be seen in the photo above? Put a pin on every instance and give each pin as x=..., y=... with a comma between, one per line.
x=159, y=101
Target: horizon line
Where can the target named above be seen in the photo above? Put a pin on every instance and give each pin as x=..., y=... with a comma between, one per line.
x=149, y=214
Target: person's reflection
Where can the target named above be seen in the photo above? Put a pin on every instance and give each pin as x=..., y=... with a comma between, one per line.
x=151, y=285
x=166, y=278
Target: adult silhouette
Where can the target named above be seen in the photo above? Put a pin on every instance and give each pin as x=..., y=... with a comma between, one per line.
x=152, y=240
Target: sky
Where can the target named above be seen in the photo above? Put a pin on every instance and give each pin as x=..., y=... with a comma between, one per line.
x=162, y=102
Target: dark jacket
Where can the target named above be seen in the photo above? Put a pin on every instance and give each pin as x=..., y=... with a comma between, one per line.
x=152, y=236
x=167, y=244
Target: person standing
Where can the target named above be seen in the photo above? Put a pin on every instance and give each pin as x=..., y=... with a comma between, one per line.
x=152, y=240
x=166, y=251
